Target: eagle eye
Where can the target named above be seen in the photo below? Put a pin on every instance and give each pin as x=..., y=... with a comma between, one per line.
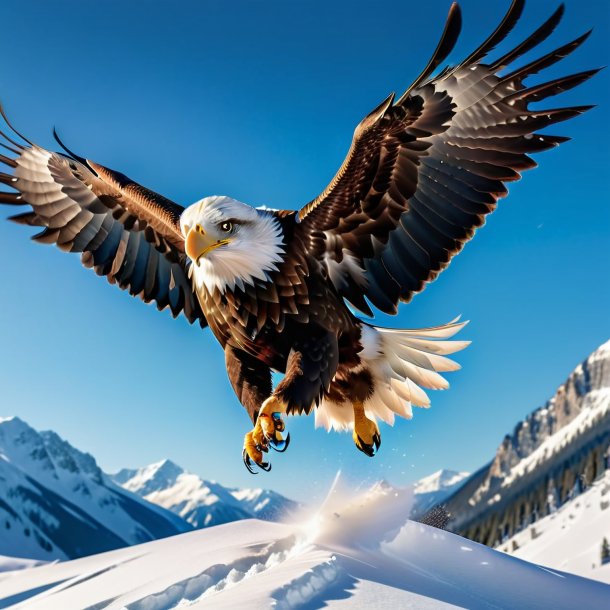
x=226, y=226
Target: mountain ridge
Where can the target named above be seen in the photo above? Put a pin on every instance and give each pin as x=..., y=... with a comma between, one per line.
x=550, y=456
x=56, y=502
x=201, y=502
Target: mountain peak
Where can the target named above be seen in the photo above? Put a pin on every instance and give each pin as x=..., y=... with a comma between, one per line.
x=441, y=479
x=435, y=488
x=200, y=502
x=167, y=467
x=55, y=502
x=14, y=422
x=148, y=479
x=382, y=486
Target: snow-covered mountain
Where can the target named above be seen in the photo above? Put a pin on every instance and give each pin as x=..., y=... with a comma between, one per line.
x=435, y=488
x=549, y=459
x=56, y=503
x=202, y=503
x=354, y=553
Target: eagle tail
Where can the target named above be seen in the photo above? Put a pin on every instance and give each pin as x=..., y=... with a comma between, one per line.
x=402, y=362
x=406, y=361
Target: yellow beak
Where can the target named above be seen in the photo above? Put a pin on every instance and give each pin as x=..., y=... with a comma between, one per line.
x=198, y=243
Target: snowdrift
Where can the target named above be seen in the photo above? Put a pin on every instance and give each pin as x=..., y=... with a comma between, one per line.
x=354, y=552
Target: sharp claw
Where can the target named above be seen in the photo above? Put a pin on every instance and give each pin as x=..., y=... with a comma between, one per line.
x=282, y=445
x=368, y=449
x=377, y=441
x=247, y=462
x=275, y=440
x=266, y=433
x=266, y=466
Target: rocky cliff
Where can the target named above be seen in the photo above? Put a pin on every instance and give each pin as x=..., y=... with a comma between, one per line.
x=551, y=456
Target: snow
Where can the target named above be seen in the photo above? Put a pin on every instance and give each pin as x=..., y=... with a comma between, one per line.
x=440, y=480
x=570, y=539
x=601, y=353
x=8, y=564
x=56, y=503
x=199, y=502
x=355, y=551
x=573, y=420
x=435, y=488
x=150, y=478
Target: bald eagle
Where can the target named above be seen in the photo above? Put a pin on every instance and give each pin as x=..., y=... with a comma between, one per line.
x=278, y=288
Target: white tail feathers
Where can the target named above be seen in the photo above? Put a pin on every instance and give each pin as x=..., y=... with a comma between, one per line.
x=401, y=362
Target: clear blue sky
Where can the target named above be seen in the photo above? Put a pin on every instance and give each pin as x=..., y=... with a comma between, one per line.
x=259, y=101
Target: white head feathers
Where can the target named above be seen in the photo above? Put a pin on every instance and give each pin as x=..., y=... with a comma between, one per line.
x=255, y=243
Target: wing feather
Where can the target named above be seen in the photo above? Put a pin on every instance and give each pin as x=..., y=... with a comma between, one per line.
x=123, y=231
x=423, y=172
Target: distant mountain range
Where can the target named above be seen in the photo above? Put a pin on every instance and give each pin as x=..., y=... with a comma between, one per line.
x=56, y=503
x=199, y=502
x=550, y=458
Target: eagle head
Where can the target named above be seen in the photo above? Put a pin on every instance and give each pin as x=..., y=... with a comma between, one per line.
x=230, y=243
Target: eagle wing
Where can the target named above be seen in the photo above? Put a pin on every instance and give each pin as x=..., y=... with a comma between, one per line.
x=123, y=231
x=423, y=172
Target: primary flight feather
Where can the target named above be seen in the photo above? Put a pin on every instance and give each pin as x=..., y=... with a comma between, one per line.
x=421, y=174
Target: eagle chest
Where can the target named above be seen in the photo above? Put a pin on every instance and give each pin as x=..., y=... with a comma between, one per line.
x=245, y=321
x=266, y=320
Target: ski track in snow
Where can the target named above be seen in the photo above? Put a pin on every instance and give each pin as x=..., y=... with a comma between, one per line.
x=294, y=594
x=309, y=586
x=217, y=578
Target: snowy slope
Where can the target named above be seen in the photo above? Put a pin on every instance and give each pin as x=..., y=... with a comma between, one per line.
x=202, y=503
x=570, y=539
x=355, y=552
x=56, y=503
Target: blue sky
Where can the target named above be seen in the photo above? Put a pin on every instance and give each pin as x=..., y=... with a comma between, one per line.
x=259, y=101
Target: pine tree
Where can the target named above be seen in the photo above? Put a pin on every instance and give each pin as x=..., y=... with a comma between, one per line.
x=605, y=555
x=552, y=501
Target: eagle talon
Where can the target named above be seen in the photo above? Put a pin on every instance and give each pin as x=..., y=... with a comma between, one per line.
x=248, y=462
x=366, y=448
x=280, y=444
x=266, y=466
x=255, y=445
x=365, y=428
x=265, y=434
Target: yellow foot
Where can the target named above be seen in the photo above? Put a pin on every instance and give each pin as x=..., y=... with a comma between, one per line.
x=366, y=432
x=266, y=433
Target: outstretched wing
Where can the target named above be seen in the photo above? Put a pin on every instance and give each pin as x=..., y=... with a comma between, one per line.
x=424, y=171
x=124, y=231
